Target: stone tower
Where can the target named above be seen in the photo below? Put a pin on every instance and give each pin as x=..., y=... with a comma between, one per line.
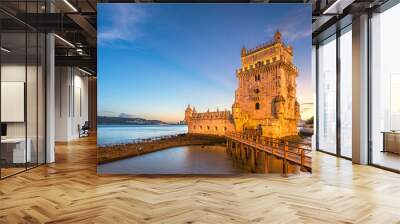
x=265, y=99
x=188, y=114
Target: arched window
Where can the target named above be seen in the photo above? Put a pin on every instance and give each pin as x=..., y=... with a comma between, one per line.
x=224, y=128
x=256, y=90
x=257, y=77
x=201, y=127
x=208, y=127
x=257, y=106
x=216, y=128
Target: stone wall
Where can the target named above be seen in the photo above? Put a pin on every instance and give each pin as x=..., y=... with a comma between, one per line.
x=212, y=123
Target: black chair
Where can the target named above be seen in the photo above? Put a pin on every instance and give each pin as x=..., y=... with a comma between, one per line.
x=84, y=130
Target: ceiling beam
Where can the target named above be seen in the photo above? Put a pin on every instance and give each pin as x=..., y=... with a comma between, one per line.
x=46, y=22
x=79, y=61
x=337, y=7
x=85, y=25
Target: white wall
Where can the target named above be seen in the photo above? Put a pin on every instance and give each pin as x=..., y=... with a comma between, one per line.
x=71, y=102
x=9, y=73
x=62, y=82
x=33, y=126
x=15, y=72
x=80, y=110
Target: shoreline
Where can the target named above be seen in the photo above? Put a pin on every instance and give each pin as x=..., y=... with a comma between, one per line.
x=108, y=154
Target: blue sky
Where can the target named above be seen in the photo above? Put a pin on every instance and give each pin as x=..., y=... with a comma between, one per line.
x=154, y=59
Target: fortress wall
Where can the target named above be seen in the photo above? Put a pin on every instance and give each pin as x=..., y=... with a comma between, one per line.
x=211, y=123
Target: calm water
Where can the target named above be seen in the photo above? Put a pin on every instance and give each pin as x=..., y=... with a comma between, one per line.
x=116, y=134
x=177, y=160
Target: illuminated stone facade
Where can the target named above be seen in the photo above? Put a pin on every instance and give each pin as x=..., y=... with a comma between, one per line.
x=265, y=99
x=215, y=123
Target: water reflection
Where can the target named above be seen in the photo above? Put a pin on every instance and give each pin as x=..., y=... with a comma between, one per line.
x=178, y=160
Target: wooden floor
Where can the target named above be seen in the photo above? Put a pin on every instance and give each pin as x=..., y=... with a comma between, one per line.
x=69, y=191
x=387, y=159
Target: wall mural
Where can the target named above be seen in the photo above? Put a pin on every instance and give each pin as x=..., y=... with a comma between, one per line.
x=163, y=66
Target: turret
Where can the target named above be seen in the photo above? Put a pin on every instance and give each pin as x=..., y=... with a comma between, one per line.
x=237, y=117
x=243, y=51
x=277, y=37
x=290, y=48
x=188, y=113
x=235, y=111
x=297, y=110
x=279, y=106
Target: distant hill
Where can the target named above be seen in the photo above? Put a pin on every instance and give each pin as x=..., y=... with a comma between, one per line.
x=127, y=120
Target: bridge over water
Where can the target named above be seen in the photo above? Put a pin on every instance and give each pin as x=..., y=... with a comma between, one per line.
x=248, y=148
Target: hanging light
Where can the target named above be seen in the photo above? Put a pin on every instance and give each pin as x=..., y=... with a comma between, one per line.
x=84, y=71
x=70, y=5
x=5, y=50
x=64, y=40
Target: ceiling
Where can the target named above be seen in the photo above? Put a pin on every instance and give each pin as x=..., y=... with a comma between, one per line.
x=329, y=16
x=75, y=22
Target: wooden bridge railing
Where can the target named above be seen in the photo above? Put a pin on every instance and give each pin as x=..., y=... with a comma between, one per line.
x=291, y=150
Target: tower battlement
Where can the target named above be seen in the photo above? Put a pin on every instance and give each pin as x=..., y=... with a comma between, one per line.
x=265, y=45
x=267, y=64
x=210, y=122
x=212, y=115
x=270, y=52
